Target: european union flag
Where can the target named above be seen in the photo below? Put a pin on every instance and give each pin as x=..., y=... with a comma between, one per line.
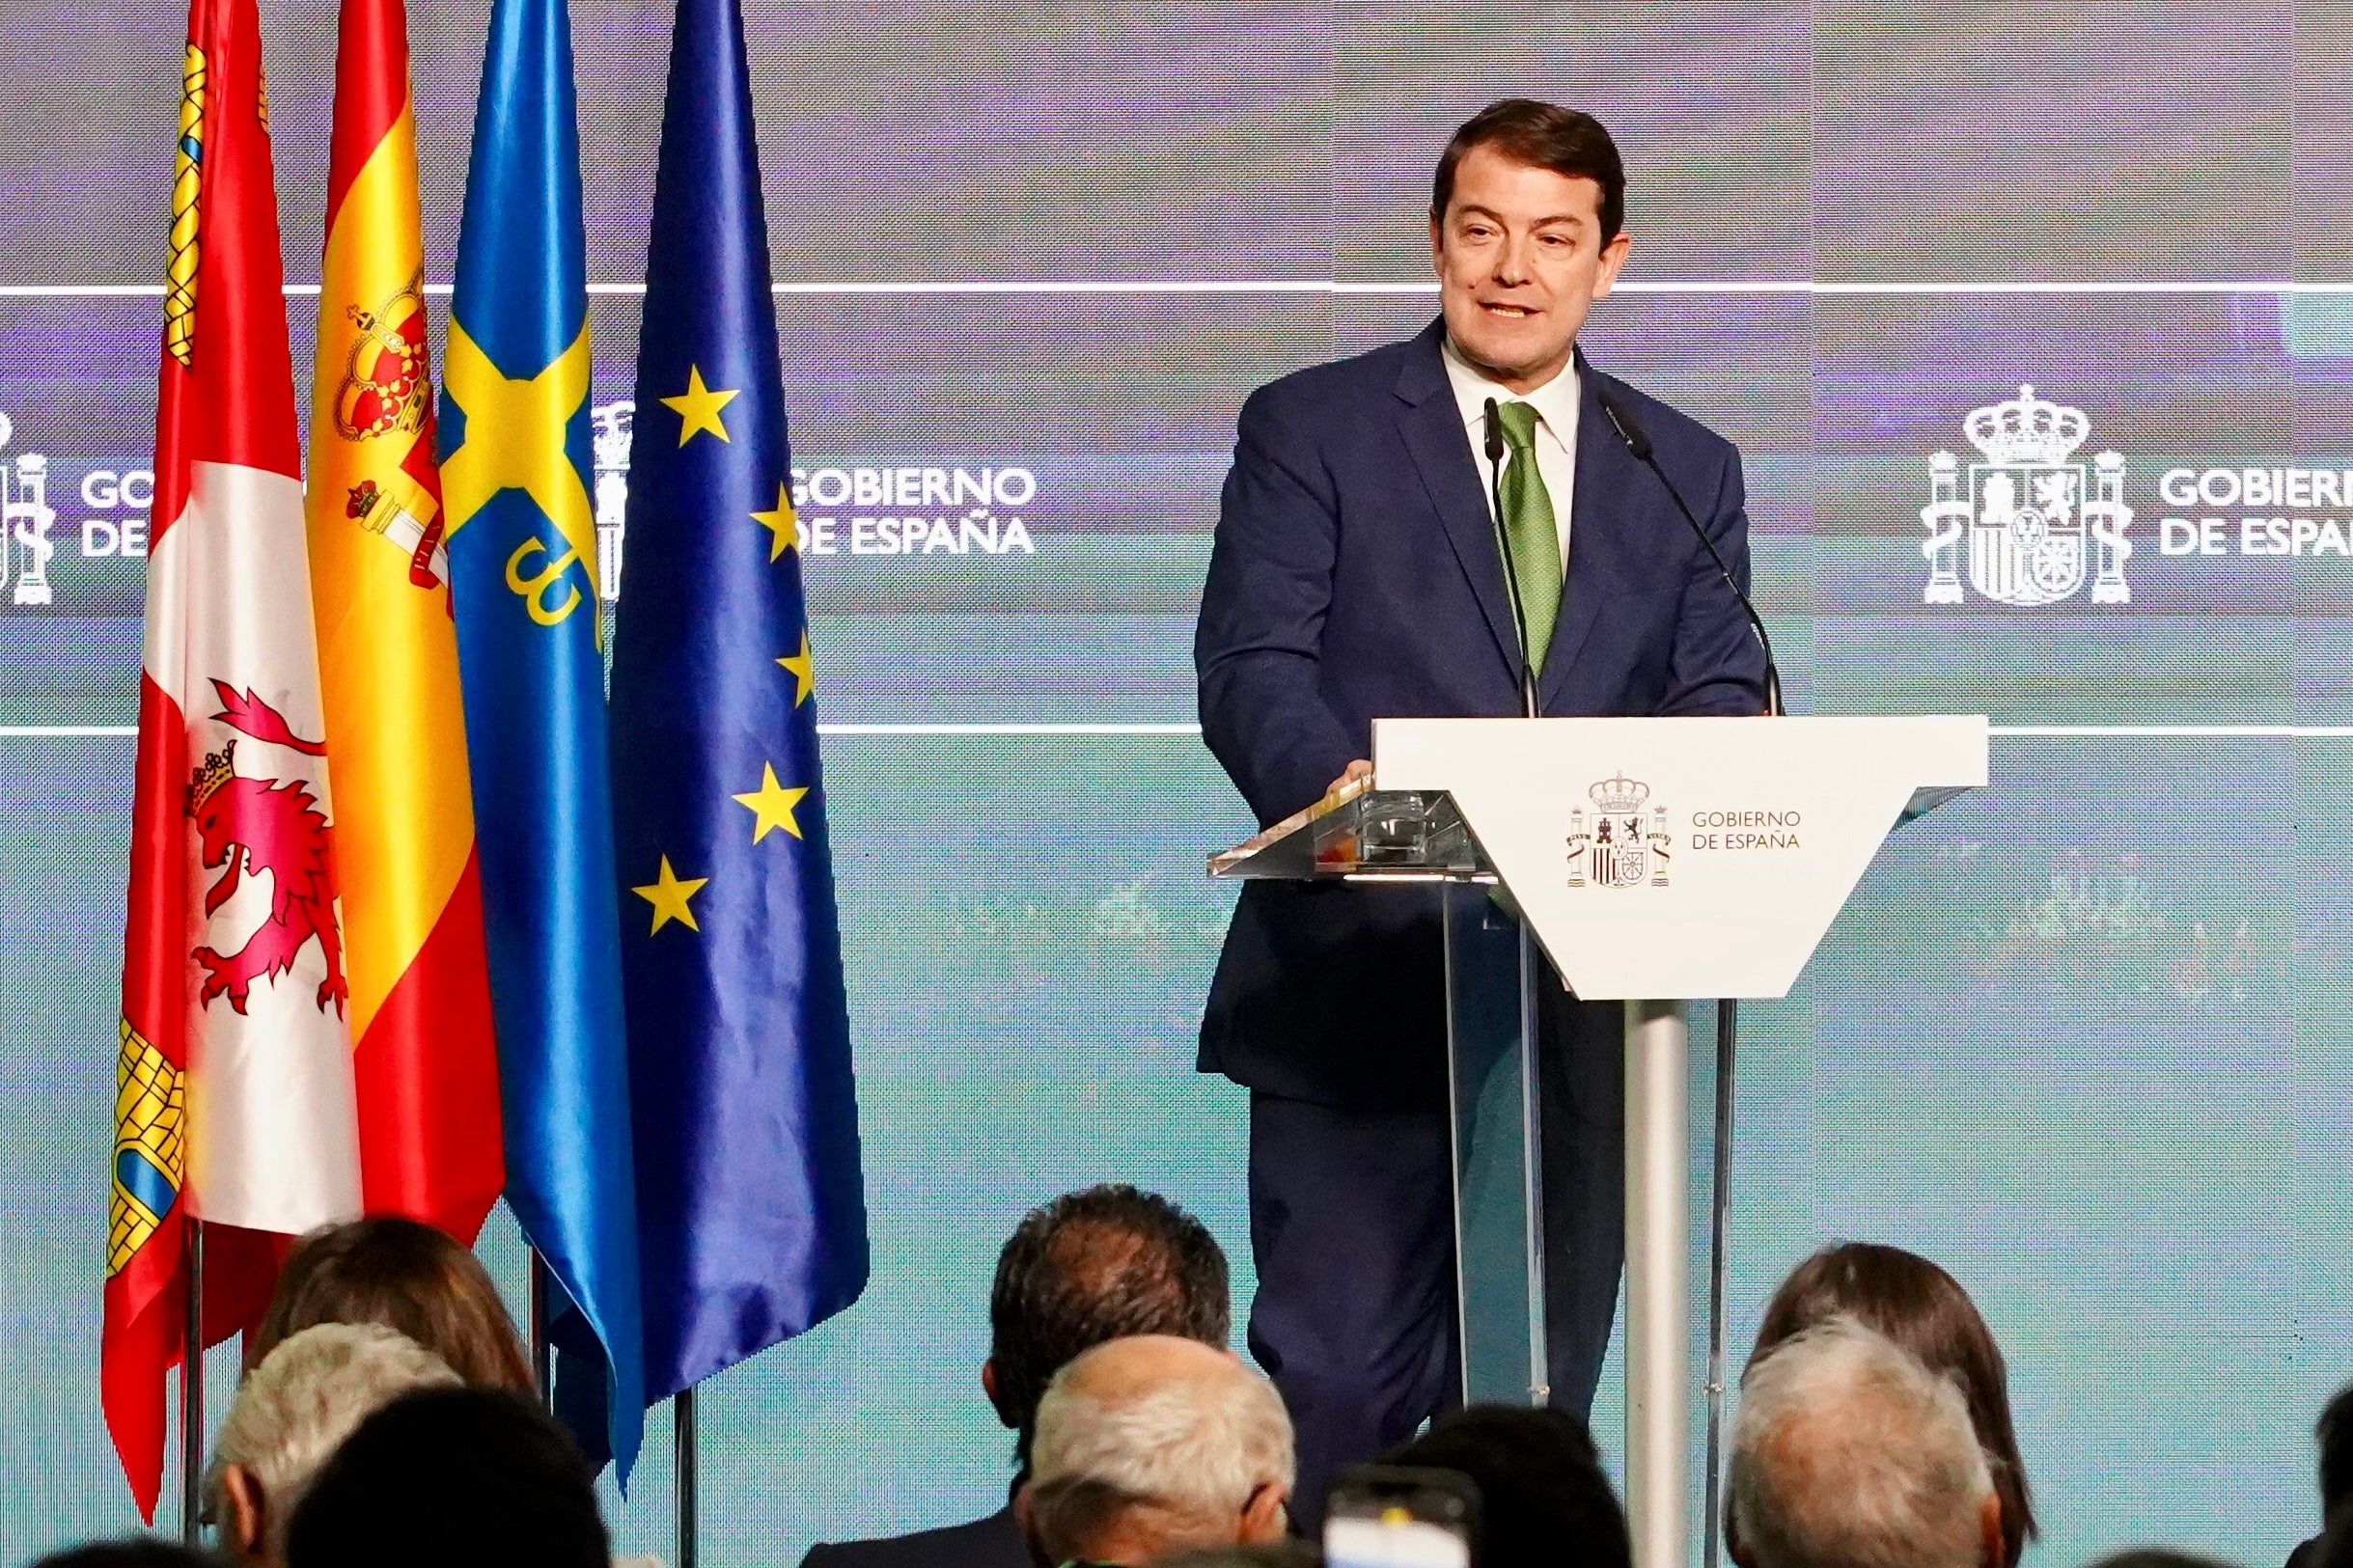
x=522, y=548
x=751, y=1206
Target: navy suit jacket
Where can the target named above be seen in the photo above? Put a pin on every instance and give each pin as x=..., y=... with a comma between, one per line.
x=994, y=1542
x=1355, y=575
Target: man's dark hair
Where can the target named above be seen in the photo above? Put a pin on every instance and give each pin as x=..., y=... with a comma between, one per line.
x=1099, y=1264
x=2333, y=1547
x=458, y=1477
x=1547, y=136
x=1541, y=1486
x=130, y=1551
x=2157, y=1557
x=2333, y=1432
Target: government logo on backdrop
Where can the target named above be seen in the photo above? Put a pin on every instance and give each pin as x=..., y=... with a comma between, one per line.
x=2031, y=523
x=937, y=507
x=25, y=516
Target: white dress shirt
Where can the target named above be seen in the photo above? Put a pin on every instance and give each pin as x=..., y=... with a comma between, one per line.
x=1556, y=431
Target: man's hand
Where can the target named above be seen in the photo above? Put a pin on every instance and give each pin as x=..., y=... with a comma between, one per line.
x=1361, y=768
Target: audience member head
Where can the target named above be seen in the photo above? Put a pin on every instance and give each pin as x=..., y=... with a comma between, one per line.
x=1926, y=1313
x=455, y=1477
x=2333, y=1432
x=1149, y=1445
x=287, y=1417
x=1849, y=1453
x=2331, y=1548
x=130, y=1551
x=2157, y=1557
x=1540, y=1485
x=1095, y=1265
x=405, y=1276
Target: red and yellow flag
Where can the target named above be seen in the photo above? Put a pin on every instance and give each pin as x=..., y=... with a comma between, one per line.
x=426, y=1071
x=234, y=1091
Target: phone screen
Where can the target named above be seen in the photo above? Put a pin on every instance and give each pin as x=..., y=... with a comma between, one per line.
x=1398, y=1541
x=1394, y=1517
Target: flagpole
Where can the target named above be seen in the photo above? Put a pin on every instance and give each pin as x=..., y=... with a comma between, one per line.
x=682, y=1421
x=543, y=1372
x=192, y=1394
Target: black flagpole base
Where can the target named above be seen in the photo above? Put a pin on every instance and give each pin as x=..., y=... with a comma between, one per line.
x=683, y=1421
x=192, y=1395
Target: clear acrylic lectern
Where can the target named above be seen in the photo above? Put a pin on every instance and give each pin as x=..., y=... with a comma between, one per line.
x=1493, y=971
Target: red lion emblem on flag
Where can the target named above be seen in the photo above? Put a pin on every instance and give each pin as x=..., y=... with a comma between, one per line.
x=256, y=825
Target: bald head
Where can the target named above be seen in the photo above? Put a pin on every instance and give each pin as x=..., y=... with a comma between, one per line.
x=1154, y=1443
x=1147, y=1363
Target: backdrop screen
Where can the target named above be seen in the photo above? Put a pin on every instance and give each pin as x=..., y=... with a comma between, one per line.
x=2081, y=1037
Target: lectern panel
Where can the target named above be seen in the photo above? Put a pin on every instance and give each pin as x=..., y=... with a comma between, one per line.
x=1492, y=969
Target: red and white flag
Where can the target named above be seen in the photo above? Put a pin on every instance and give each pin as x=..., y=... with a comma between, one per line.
x=235, y=1103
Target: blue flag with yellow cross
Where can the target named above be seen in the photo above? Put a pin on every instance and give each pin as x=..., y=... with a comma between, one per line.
x=749, y=1200
x=522, y=545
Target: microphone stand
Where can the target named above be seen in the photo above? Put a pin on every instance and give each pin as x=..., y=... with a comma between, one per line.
x=1622, y=418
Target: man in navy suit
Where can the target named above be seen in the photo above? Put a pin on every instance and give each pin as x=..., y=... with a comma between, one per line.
x=1358, y=572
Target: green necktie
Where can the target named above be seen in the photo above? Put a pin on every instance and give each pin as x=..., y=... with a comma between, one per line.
x=1528, y=529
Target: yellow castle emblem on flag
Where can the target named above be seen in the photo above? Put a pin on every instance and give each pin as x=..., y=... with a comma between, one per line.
x=151, y=1113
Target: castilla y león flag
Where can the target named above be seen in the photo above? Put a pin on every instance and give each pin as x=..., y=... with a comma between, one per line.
x=234, y=1098
x=427, y=1075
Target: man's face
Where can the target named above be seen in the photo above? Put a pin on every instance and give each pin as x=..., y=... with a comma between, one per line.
x=1520, y=260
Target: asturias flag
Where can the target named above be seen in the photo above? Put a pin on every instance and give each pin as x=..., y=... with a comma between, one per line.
x=388, y=669
x=234, y=1101
x=522, y=545
x=751, y=1207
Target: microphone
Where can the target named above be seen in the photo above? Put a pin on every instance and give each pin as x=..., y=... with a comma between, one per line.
x=1503, y=545
x=1631, y=431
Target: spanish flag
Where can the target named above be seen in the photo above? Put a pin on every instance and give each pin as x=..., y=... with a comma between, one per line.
x=426, y=1071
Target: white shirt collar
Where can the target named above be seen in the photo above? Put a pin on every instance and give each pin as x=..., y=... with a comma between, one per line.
x=1556, y=401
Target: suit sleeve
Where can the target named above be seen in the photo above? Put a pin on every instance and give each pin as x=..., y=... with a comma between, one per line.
x=1717, y=667
x=1258, y=648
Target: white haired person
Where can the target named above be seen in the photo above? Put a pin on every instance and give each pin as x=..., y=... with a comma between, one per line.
x=1150, y=1446
x=1849, y=1453
x=290, y=1415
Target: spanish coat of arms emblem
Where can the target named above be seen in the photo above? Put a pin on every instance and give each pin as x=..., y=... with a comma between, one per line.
x=1618, y=844
x=2033, y=523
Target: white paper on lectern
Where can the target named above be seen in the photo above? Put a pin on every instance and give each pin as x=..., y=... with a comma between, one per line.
x=1748, y=835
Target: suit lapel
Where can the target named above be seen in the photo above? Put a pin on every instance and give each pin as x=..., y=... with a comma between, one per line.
x=1605, y=476
x=1432, y=425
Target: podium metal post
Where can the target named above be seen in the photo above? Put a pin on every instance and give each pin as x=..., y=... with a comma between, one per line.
x=1658, y=1308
